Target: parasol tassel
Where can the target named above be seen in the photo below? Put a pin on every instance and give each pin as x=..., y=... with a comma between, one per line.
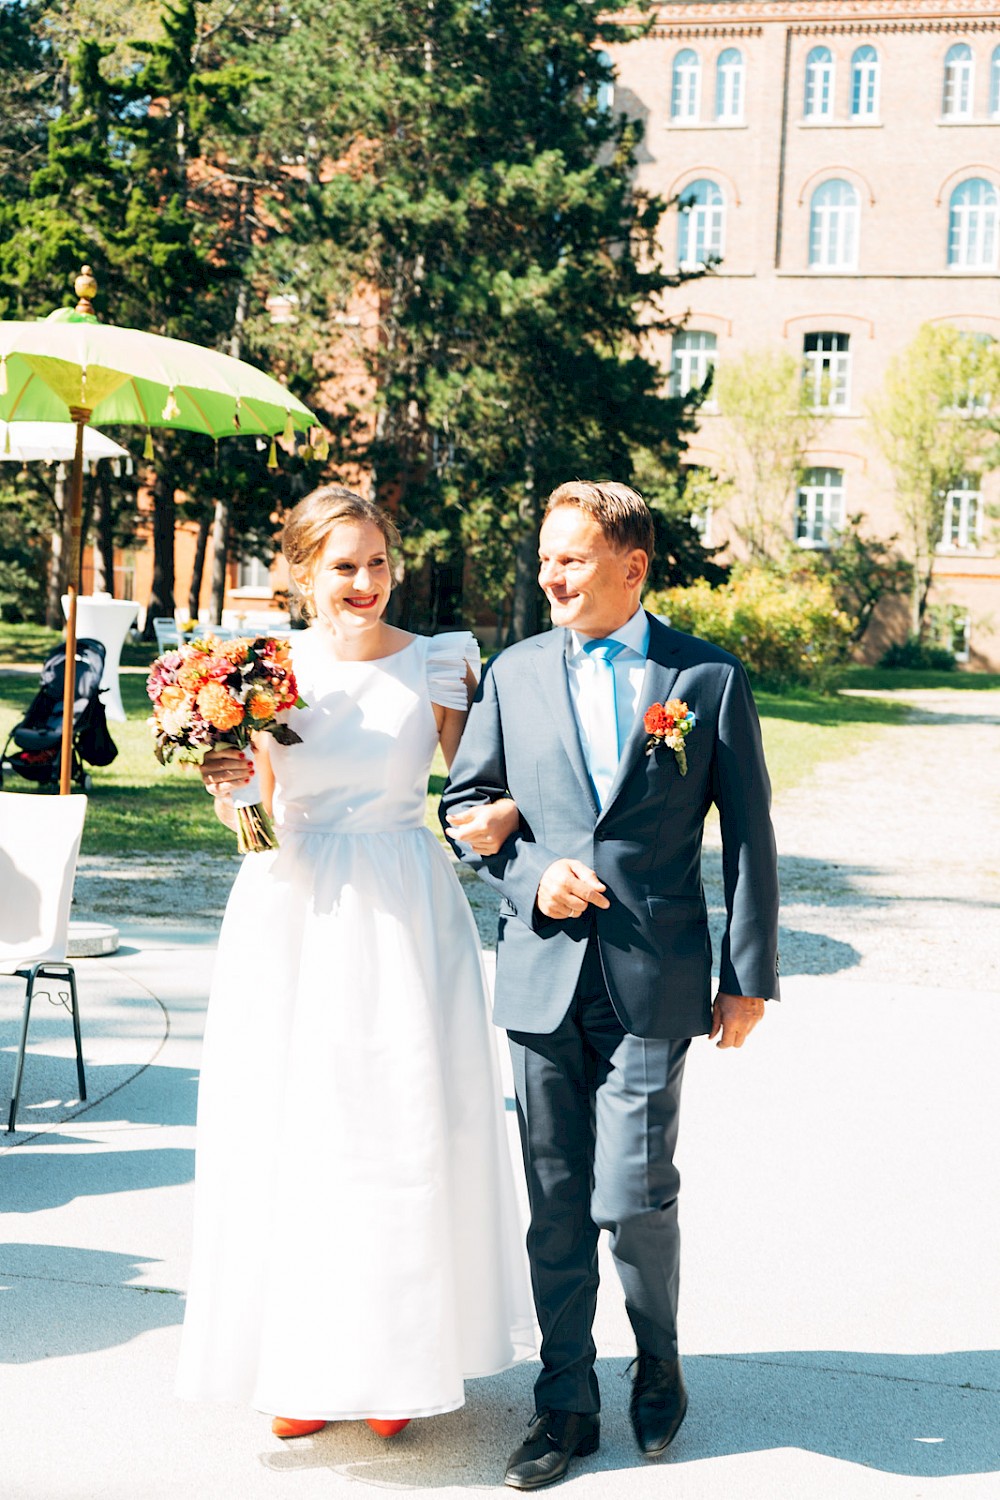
x=6, y=439
x=171, y=411
x=321, y=447
x=147, y=447
x=288, y=436
x=272, y=456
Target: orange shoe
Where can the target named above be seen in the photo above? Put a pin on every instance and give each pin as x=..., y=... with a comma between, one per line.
x=287, y=1427
x=387, y=1429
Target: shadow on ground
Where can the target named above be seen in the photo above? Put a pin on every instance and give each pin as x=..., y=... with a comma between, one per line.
x=61, y=1299
x=37, y=1180
x=169, y=1096
x=928, y=1416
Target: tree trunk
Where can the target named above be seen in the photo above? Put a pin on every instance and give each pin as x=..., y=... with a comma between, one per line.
x=104, y=535
x=220, y=559
x=59, y=553
x=524, y=608
x=161, y=597
x=198, y=570
x=447, y=592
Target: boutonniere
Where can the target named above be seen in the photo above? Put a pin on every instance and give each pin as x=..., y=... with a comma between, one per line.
x=667, y=724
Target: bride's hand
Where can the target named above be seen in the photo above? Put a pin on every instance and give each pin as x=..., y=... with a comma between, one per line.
x=224, y=769
x=486, y=829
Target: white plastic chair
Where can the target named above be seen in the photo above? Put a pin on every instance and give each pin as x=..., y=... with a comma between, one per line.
x=39, y=844
x=167, y=633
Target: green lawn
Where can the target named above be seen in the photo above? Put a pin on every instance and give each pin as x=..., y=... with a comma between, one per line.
x=137, y=805
x=881, y=679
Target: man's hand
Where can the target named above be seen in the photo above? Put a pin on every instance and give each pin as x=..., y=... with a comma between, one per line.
x=485, y=829
x=735, y=1016
x=567, y=888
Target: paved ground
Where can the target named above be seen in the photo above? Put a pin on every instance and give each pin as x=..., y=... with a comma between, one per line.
x=841, y=1281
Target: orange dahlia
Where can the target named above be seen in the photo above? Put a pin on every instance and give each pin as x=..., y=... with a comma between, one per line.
x=173, y=696
x=261, y=705
x=191, y=676
x=220, y=710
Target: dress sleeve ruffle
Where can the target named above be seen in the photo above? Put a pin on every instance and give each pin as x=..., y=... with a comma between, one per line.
x=448, y=657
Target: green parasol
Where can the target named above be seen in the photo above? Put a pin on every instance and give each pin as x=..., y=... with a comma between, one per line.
x=70, y=367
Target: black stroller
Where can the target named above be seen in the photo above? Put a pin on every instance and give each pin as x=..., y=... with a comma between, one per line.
x=39, y=734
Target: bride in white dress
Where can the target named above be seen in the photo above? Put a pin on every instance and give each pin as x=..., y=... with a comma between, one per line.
x=357, y=1244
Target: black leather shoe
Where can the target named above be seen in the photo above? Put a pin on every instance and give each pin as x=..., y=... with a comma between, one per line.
x=659, y=1402
x=554, y=1437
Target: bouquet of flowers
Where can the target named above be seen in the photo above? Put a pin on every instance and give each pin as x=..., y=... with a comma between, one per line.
x=211, y=692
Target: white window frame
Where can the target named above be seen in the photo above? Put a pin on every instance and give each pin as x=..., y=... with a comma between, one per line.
x=693, y=353
x=820, y=78
x=819, y=508
x=685, y=87
x=956, y=103
x=605, y=97
x=961, y=527
x=701, y=230
x=834, y=226
x=828, y=370
x=865, y=82
x=253, y=579
x=973, y=225
x=730, y=73
x=961, y=626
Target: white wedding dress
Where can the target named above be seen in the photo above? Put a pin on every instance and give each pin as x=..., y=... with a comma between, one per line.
x=357, y=1245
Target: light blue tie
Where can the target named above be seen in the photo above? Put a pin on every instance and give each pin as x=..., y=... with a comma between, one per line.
x=603, y=740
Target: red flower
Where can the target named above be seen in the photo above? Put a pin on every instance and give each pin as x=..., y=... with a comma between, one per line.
x=657, y=720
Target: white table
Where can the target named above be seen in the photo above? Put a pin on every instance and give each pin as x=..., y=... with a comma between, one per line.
x=106, y=620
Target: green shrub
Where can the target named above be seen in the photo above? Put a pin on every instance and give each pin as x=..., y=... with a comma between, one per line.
x=915, y=654
x=787, y=632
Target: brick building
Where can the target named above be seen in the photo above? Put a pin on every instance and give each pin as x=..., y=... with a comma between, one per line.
x=843, y=160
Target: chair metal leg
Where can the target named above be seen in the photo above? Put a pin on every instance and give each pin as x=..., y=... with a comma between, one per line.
x=19, y=1066
x=64, y=973
x=76, y=1031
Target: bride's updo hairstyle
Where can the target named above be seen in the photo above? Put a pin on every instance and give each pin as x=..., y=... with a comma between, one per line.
x=308, y=526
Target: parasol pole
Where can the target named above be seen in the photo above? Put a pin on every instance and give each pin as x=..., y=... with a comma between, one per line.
x=85, y=287
x=80, y=416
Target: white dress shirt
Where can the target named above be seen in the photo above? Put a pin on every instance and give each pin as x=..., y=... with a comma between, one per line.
x=629, y=667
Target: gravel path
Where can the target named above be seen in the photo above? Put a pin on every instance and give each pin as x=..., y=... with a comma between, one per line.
x=890, y=858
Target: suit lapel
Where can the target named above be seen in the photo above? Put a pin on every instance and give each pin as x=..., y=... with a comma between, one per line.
x=657, y=685
x=551, y=666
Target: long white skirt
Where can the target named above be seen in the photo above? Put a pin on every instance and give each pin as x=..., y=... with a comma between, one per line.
x=357, y=1245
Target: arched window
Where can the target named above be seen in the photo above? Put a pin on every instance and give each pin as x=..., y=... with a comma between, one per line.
x=828, y=370
x=958, y=82
x=864, y=84
x=833, y=226
x=820, y=510
x=995, y=84
x=819, y=84
x=685, y=101
x=963, y=503
x=692, y=355
x=701, y=237
x=972, y=225
x=606, y=88
x=729, y=85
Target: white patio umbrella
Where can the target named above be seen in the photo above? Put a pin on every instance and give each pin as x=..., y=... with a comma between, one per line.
x=53, y=442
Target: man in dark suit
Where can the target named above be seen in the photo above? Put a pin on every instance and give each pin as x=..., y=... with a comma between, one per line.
x=603, y=950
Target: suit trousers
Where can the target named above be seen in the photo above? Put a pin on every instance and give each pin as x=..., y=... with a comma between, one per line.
x=598, y=1113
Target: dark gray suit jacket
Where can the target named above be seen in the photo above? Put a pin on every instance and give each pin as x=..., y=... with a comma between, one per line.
x=645, y=845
